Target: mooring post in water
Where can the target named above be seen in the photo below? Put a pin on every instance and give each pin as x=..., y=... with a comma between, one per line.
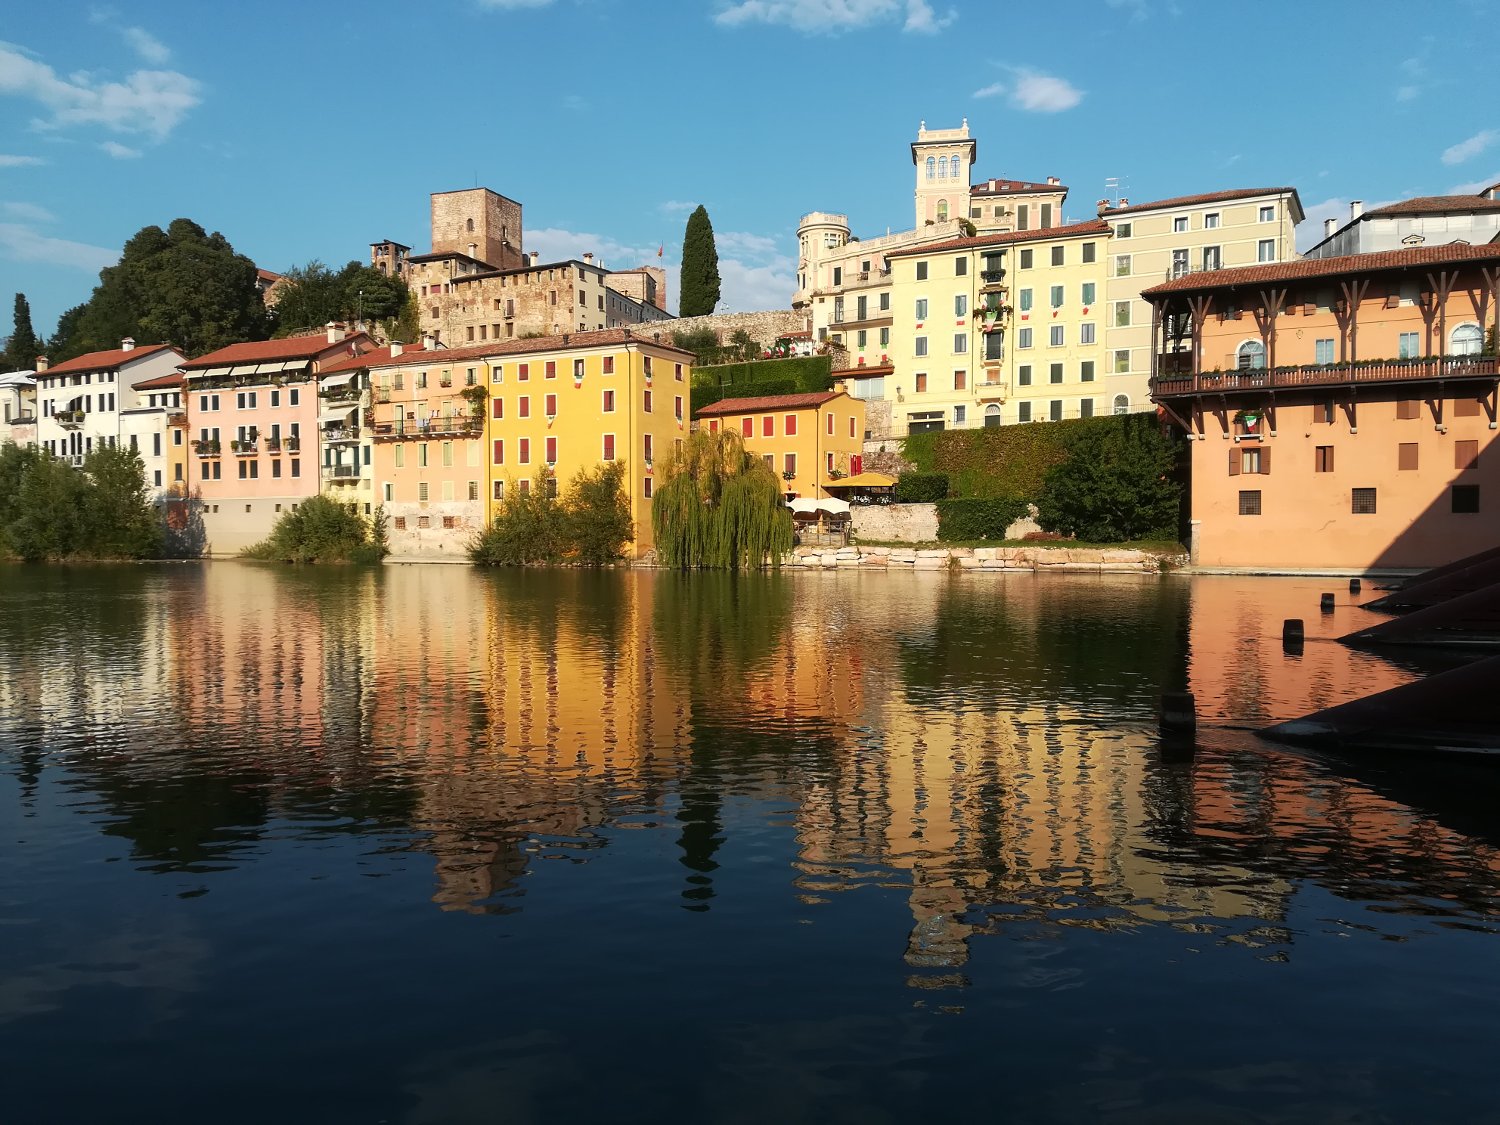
x=1327, y=603
x=1178, y=714
x=1291, y=634
x=1354, y=586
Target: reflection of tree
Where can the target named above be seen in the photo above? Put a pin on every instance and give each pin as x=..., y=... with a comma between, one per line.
x=714, y=628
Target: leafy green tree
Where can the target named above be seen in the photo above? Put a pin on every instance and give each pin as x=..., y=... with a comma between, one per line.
x=320, y=529
x=596, y=511
x=24, y=347
x=530, y=527
x=718, y=506
x=702, y=342
x=180, y=285
x=15, y=462
x=1116, y=484
x=312, y=295
x=407, y=326
x=745, y=344
x=699, y=286
x=119, y=520
x=59, y=344
x=49, y=518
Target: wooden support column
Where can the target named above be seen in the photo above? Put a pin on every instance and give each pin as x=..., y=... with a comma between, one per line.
x=1492, y=292
x=1354, y=292
x=1272, y=302
x=1199, y=307
x=1442, y=284
x=1155, y=330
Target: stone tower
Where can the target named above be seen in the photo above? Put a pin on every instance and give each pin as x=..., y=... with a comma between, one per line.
x=821, y=235
x=480, y=223
x=944, y=160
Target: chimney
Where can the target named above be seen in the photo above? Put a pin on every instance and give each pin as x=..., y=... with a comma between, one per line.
x=1053, y=181
x=1103, y=206
x=334, y=330
x=534, y=257
x=396, y=348
x=1356, y=208
x=473, y=249
x=428, y=341
x=1124, y=202
x=1329, y=226
x=42, y=363
x=127, y=344
x=588, y=256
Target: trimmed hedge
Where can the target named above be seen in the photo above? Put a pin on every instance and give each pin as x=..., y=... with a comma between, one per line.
x=921, y=488
x=978, y=517
x=707, y=396
x=797, y=375
x=1002, y=460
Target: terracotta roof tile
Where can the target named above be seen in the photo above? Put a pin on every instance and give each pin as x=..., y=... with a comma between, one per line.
x=378, y=357
x=864, y=372
x=768, y=402
x=1417, y=256
x=161, y=382
x=1435, y=205
x=1206, y=197
x=1072, y=230
x=526, y=346
x=1013, y=187
x=105, y=361
x=264, y=351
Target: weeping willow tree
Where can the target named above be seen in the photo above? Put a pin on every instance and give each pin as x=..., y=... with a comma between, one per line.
x=718, y=506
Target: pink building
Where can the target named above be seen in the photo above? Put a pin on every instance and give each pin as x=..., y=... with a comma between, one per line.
x=253, y=421
x=1341, y=412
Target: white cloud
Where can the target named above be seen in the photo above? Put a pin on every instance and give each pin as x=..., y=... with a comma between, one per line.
x=1406, y=93
x=148, y=46
x=119, y=151
x=993, y=90
x=1310, y=230
x=1044, y=93
x=745, y=244
x=1470, y=148
x=1414, y=71
x=20, y=243
x=677, y=207
x=1474, y=187
x=151, y=102
x=27, y=212
x=8, y=161
x=831, y=17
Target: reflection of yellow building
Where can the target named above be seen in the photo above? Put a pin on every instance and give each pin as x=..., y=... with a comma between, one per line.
x=809, y=440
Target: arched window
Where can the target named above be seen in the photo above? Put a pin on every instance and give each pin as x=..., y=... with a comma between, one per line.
x=1466, y=339
x=931, y=167
x=991, y=416
x=471, y=226
x=953, y=167
x=1122, y=404
x=1251, y=356
x=942, y=210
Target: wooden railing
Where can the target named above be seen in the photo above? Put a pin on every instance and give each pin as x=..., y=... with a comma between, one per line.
x=1325, y=375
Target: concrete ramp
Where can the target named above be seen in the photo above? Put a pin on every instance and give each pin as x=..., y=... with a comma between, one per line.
x=1450, y=713
x=1469, y=620
x=1448, y=568
x=1482, y=571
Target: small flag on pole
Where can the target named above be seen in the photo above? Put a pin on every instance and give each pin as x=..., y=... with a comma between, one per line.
x=660, y=249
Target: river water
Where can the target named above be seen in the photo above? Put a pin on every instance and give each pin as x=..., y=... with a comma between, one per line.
x=432, y=845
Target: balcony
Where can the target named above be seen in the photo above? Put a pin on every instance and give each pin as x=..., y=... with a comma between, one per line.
x=340, y=472
x=415, y=429
x=338, y=434
x=206, y=448
x=245, y=448
x=26, y=419
x=348, y=392
x=990, y=279
x=1363, y=372
x=69, y=419
x=177, y=420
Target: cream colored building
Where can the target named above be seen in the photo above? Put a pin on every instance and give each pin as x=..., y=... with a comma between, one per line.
x=1155, y=242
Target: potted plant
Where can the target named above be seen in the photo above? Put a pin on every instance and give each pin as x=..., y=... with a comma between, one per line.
x=234, y=445
x=475, y=395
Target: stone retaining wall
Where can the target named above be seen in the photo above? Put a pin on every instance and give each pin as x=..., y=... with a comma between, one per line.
x=1052, y=559
x=897, y=523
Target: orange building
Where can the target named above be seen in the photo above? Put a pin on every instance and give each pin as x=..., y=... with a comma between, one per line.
x=809, y=439
x=1341, y=411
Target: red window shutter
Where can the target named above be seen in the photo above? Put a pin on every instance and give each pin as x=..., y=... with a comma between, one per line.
x=747, y=427
x=768, y=426
x=551, y=451
x=499, y=451
x=1265, y=460
x=791, y=425
x=497, y=408
x=551, y=405
x=713, y=425
x=609, y=447
x=1234, y=462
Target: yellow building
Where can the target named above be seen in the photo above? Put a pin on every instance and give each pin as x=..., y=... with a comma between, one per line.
x=808, y=439
x=991, y=330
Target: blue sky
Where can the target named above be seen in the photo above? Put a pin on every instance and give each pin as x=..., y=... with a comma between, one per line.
x=309, y=130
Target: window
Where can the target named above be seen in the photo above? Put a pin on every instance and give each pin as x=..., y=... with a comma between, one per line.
x=1023, y=412
x=647, y=450
x=1055, y=373
x=1056, y=336
x=991, y=416
x=1406, y=456
x=1023, y=375
x=609, y=402
x=1212, y=259
x=1122, y=404
x=275, y=398
x=497, y=407
x=1466, y=339
x=921, y=382
x=1180, y=265
x=994, y=345
x=1122, y=230
x=1251, y=356
x=921, y=271
x=830, y=425
x=400, y=522
x=1408, y=409
x=497, y=490
x=497, y=453
x=1055, y=296
x=551, y=450
x=646, y=401
x=1026, y=259
x=1465, y=499
x=1023, y=338
x=1179, y=224
x=1323, y=351
x=296, y=467
x=960, y=343
x=1057, y=255
x=1026, y=300
x=1086, y=371
x=422, y=455
x=1085, y=408
x=960, y=267
x=960, y=416
x=1323, y=411
x=1250, y=502
x=1055, y=411
x=447, y=454
x=523, y=406
x=1023, y=217
x=1087, y=294
x=551, y=405
x=932, y=167
x=789, y=425
x=1122, y=314
x=1323, y=459
x=961, y=305
x=790, y=465
x=1268, y=214
x=960, y=382
x=747, y=427
x=1265, y=250
x=646, y=488
x=885, y=301
x=1363, y=502
x=1465, y=455
x=921, y=308
x=1086, y=332
x=609, y=365
x=768, y=426
x=920, y=345
x=524, y=453
x=1211, y=221
x=1122, y=265
x=400, y=456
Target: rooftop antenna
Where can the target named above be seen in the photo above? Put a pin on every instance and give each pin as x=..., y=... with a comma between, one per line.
x=1112, y=189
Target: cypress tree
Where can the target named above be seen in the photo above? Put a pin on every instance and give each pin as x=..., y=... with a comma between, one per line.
x=699, y=286
x=24, y=347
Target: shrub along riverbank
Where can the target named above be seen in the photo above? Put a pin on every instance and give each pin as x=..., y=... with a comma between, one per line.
x=590, y=525
x=323, y=530
x=50, y=510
